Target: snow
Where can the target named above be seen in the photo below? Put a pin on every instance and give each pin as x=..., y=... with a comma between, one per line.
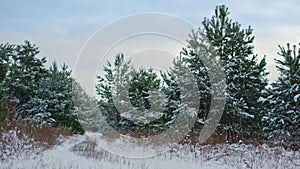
x=245, y=114
x=63, y=157
x=296, y=98
x=183, y=156
x=261, y=99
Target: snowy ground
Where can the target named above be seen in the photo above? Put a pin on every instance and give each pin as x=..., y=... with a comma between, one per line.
x=79, y=152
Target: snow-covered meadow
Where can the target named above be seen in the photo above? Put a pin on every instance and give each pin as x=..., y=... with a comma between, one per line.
x=80, y=151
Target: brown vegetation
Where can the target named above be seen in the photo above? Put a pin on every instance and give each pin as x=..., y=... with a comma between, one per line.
x=18, y=138
x=45, y=135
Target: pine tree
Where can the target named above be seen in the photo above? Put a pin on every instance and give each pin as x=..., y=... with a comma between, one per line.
x=4, y=62
x=51, y=102
x=130, y=99
x=283, y=120
x=181, y=90
x=22, y=76
x=245, y=75
x=87, y=110
x=145, y=96
x=113, y=92
x=32, y=92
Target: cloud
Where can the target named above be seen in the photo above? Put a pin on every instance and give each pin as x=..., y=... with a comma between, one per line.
x=60, y=28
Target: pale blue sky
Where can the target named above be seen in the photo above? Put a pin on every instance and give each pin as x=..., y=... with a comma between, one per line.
x=61, y=27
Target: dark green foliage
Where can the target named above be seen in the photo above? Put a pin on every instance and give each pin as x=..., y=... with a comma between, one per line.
x=196, y=65
x=3, y=114
x=283, y=118
x=23, y=72
x=228, y=37
x=104, y=90
x=245, y=75
x=125, y=92
x=141, y=84
x=4, y=58
x=52, y=100
x=30, y=91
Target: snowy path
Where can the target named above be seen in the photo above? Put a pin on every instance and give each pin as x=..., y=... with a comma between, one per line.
x=209, y=157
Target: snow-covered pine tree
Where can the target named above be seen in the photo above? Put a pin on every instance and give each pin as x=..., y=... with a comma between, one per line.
x=5, y=49
x=23, y=74
x=112, y=92
x=51, y=102
x=245, y=75
x=87, y=110
x=196, y=65
x=147, y=99
x=172, y=92
x=181, y=90
x=283, y=120
x=30, y=91
x=130, y=99
x=4, y=62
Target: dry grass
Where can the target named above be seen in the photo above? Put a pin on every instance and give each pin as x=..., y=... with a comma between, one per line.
x=45, y=135
x=18, y=138
x=234, y=155
x=192, y=138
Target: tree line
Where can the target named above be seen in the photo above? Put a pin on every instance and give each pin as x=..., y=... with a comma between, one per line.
x=29, y=91
x=254, y=108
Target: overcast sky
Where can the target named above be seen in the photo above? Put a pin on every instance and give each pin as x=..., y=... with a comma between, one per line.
x=61, y=27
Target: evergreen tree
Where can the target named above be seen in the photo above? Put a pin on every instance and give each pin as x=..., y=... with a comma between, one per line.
x=181, y=90
x=87, y=110
x=196, y=65
x=22, y=76
x=4, y=62
x=130, y=99
x=245, y=75
x=32, y=92
x=115, y=79
x=52, y=100
x=283, y=120
x=145, y=96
